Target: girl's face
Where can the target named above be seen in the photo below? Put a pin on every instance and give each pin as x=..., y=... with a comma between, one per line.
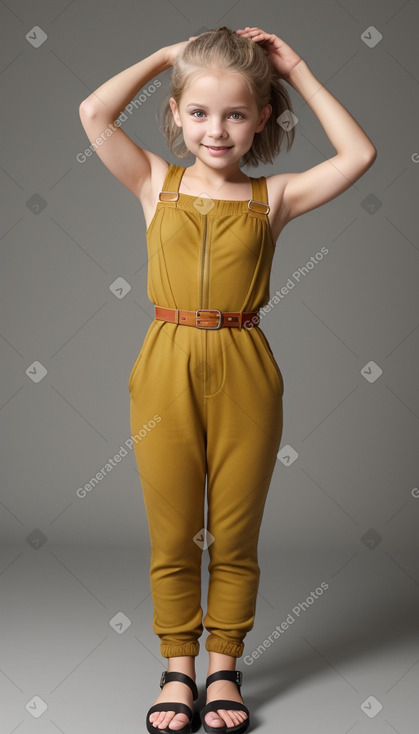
x=218, y=111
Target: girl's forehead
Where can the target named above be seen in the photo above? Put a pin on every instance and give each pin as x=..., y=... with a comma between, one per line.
x=223, y=82
x=208, y=75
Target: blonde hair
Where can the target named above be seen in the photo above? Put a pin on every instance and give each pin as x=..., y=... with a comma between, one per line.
x=223, y=48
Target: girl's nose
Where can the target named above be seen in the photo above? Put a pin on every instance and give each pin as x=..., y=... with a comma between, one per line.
x=215, y=127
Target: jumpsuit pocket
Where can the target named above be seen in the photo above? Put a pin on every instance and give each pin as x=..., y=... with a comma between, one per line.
x=135, y=366
x=134, y=369
x=271, y=357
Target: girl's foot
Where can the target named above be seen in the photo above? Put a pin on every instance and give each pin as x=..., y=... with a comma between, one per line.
x=173, y=691
x=224, y=717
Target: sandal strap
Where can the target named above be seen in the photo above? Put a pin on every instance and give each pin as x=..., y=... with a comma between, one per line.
x=166, y=677
x=234, y=675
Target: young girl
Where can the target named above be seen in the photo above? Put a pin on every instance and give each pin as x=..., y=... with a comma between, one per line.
x=205, y=389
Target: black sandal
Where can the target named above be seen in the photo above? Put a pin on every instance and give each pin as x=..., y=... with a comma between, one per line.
x=236, y=676
x=177, y=707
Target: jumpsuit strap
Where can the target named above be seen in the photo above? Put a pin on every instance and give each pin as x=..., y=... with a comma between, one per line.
x=259, y=201
x=170, y=189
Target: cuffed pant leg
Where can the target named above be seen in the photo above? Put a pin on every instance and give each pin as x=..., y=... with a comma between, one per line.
x=244, y=434
x=172, y=467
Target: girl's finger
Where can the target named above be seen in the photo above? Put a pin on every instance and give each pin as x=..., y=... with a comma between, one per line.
x=250, y=30
x=257, y=34
x=253, y=34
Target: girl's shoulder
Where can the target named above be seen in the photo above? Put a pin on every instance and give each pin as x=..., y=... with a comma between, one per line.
x=276, y=185
x=158, y=168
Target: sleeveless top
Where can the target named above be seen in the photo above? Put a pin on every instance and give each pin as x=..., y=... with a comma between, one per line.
x=209, y=253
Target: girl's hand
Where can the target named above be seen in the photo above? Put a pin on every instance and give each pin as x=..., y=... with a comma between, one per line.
x=283, y=57
x=173, y=51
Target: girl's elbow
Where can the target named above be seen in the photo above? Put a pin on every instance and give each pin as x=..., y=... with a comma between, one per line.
x=368, y=159
x=371, y=155
x=86, y=108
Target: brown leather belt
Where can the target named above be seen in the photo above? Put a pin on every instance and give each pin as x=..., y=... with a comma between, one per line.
x=207, y=318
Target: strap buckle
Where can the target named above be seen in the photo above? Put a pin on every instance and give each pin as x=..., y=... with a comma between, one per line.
x=265, y=207
x=203, y=318
x=168, y=195
x=163, y=679
x=239, y=677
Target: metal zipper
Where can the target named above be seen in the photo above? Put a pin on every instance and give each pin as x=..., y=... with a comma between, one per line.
x=203, y=257
x=202, y=298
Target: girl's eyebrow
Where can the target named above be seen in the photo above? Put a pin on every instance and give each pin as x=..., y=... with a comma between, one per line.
x=235, y=106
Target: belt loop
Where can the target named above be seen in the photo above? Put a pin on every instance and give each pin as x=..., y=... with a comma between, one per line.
x=240, y=319
x=177, y=315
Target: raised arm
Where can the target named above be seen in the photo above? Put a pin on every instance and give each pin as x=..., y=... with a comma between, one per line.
x=127, y=161
x=355, y=151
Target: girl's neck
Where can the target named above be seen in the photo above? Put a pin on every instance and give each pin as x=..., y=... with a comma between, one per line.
x=215, y=178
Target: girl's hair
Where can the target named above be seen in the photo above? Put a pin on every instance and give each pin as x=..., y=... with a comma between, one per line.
x=223, y=48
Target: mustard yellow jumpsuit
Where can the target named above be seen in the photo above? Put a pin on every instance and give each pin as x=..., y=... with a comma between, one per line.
x=206, y=404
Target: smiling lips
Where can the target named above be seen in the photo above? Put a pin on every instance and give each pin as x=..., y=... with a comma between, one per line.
x=218, y=147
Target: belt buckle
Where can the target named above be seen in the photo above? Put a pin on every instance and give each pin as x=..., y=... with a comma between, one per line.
x=208, y=310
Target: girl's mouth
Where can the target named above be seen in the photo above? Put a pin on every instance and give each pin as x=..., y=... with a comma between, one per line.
x=217, y=149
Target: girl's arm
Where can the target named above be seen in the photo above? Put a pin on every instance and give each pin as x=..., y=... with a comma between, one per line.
x=355, y=151
x=127, y=161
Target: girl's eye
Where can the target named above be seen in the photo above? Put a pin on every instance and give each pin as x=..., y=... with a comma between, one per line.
x=233, y=113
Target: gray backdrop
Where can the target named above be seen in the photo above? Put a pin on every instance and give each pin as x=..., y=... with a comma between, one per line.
x=344, y=501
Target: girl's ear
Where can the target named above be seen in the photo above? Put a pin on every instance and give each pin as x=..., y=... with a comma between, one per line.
x=175, y=111
x=265, y=113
